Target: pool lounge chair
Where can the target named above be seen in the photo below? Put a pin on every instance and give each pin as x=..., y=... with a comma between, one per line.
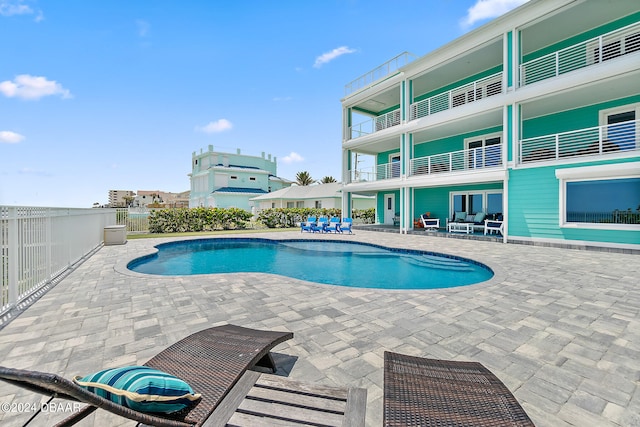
x=428, y=392
x=334, y=225
x=345, y=225
x=210, y=361
x=320, y=226
x=308, y=224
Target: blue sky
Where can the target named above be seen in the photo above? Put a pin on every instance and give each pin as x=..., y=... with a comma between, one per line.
x=100, y=95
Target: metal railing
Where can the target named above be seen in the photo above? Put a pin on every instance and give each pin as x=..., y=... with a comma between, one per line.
x=375, y=124
x=136, y=219
x=379, y=72
x=593, y=141
x=479, y=89
x=594, y=51
x=458, y=161
x=614, y=217
x=38, y=244
x=376, y=173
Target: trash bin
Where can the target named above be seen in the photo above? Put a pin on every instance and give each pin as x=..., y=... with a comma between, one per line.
x=115, y=235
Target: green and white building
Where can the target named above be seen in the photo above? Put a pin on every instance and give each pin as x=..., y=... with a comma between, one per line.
x=532, y=118
x=226, y=180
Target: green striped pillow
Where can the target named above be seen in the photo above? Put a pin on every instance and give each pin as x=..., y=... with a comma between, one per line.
x=140, y=388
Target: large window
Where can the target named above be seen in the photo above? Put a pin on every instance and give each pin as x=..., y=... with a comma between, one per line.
x=603, y=197
x=604, y=201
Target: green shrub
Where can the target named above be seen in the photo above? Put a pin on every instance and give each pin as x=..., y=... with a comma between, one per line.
x=197, y=219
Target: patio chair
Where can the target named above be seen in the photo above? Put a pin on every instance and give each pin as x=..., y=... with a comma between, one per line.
x=210, y=361
x=345, y=225
x=428, y=392
x=307, y=225
x=429, y=223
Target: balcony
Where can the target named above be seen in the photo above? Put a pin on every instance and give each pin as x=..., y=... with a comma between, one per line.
x=462, y=95
x=379, y=72
x=596, y=141
x=458, y=161
x=376, y=173
x=376, y=124
x=594, y=51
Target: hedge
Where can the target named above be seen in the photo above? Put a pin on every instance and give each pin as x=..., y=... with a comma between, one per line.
x=197, y=219
x=291, y=217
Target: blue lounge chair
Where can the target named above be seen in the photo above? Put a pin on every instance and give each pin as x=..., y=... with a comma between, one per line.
x=345, y=225
x=334, y=225
x=308, y=225
x=320, y=226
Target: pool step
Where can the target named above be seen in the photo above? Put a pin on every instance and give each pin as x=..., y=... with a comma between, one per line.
x=438, y=263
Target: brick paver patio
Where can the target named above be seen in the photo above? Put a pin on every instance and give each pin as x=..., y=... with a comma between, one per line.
x=559, y=327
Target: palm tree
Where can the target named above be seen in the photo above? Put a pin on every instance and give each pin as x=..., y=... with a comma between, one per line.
x=328, y=179
x=303, y=178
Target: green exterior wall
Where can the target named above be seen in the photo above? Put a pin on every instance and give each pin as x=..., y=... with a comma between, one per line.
x=451, y=143
x=380, y=203
x=534, y=211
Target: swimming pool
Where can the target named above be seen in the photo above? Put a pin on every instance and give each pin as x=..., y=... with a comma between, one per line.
x=351, y=264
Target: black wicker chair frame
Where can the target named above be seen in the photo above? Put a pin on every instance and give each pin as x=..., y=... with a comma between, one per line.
x=210, y=361
x=427, y=392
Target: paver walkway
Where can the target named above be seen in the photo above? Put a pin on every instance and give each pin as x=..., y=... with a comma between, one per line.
x=559, y=327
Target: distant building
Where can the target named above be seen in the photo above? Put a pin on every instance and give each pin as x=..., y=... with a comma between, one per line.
x=230, y=180
x=326, y=196
x=162, y=199
x=117, y=198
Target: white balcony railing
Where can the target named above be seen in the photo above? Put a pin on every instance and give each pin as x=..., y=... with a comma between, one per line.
x=593, y=141
x=38, y=244
x=376, y=124
x=458, y=161
x=594, y=51
x=379, y=72
x=376, y=173
x=471, y=92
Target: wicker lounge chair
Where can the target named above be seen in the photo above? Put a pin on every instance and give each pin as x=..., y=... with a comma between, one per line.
x=211, y=361
x=428, y=392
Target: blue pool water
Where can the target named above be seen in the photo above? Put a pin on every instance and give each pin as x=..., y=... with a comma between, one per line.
x=332, y=262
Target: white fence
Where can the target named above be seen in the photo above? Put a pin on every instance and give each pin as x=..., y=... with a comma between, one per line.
x=136, y=219
x=38, y=244
x=379, y=72
x=375, y=124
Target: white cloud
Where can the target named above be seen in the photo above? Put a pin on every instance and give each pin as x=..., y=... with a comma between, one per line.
x=32, y=87
x=282, y=98
x=330, y=56
x=143, y=28
x=487, y=9
x=215, y=127
x=9, y=137
x=17, y=7
x=293, y=157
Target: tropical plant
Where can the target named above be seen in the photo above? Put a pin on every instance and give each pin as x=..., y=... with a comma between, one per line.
x=328, y=179
x=304, y=178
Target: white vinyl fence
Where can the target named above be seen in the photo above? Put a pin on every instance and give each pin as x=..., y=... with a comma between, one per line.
x=38, y=244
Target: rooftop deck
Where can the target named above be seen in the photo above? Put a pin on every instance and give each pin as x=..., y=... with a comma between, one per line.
x=560, y=327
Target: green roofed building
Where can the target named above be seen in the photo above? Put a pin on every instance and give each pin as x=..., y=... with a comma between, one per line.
x=531, y=119
x=227, y=180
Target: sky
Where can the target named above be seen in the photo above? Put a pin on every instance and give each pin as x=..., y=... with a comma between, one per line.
x=117, y=95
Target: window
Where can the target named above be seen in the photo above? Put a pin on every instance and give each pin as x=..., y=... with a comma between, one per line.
x=605, y=201
x=603, y=196
x=290, y=204
x=318, y=204
x=488, y=201
x=620, y=131
x=484, y=151
x=233, y=177
x=395, y=166
x=299, y=204
x=252, y=178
